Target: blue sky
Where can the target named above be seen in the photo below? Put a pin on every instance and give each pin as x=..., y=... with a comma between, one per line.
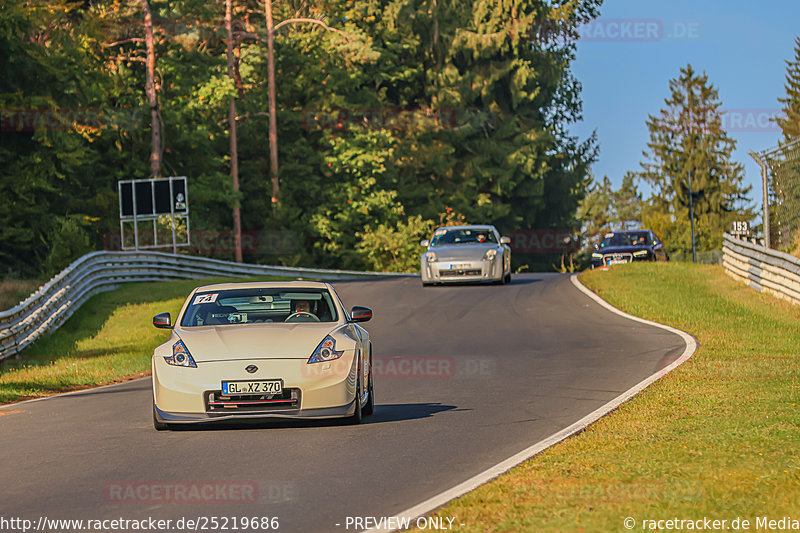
x=742, y=45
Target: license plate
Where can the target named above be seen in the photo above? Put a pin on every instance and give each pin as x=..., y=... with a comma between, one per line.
x=617, y=262
x=263, y=386
x=459, y=266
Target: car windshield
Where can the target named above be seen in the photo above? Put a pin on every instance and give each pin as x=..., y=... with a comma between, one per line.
x=259, y=306
x=627, y=238
x=463, y=236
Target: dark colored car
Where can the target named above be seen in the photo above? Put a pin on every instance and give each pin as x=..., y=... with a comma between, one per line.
x=629, y=246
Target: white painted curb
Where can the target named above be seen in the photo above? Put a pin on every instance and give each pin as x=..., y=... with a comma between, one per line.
x=487, y=475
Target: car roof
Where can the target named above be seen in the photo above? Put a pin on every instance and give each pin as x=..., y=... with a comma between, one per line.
x=265, y=285
x=630, y=231
x=468, y=226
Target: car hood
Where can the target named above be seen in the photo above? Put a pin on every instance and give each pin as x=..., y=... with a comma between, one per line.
x=255, y=341
x=462, y=251
x=623, y=249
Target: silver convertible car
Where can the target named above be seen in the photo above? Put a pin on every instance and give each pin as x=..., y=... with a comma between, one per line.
x=262, y=350
x=466, y=253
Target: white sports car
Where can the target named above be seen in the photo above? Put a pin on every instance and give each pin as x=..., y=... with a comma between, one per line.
x=263, y=350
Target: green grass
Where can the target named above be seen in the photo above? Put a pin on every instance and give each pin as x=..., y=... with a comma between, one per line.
x=719, y=437
x=110, y=338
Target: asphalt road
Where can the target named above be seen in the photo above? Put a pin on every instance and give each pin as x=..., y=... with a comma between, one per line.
x=465, y=377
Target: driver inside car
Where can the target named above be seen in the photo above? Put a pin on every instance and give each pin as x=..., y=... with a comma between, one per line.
x=302, y=306
x=302, y=312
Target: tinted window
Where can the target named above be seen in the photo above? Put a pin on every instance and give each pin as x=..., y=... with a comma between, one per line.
x=627, y=238
x=462, y=236
x=259, y=306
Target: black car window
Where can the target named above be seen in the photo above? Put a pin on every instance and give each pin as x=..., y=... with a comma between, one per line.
x=463, y=236
x=625, y=238
x=257, y=306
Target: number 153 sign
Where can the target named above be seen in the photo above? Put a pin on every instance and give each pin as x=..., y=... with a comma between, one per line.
x=740, y=227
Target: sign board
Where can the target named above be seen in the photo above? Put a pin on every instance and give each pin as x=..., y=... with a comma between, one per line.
x=163, y=196
x=740, y=227
x=160, y=203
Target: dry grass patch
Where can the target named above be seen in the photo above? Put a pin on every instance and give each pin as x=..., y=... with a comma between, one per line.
x=13, y=291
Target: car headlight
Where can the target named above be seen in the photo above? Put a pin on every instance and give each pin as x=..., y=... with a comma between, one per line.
x=596, y=255
x=180, y=356
x=490, y=255
x=430, y=257
x=640, y=253
x=326, y=351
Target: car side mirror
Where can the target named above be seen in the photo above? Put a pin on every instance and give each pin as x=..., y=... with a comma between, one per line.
x=424, y=242
x=163, y=321
x=596, y=246
x=360, y=314
x=505, y=240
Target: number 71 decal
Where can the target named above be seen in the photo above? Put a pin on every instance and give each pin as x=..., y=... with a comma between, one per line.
x=205, y=298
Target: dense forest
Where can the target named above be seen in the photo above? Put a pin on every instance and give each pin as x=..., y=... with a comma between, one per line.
x=392, y=116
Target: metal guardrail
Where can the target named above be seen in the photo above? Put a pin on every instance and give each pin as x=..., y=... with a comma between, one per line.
x=55, y=301
x=762, y=268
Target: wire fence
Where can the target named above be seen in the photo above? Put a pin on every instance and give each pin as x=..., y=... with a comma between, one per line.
x=710, y=257
x=783, y=182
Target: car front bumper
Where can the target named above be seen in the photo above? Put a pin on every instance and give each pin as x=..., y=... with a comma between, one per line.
x=619, y=258
x=454, y=271
x=319, y=390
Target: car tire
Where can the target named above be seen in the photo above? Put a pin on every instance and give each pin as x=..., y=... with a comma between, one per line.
x=426, y=284
x=160, y=426
x=508, y=278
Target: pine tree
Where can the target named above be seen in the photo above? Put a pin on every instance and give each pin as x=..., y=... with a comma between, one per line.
x=689, y=149
x=785, y=213
x=790, y=123
x=627, y=201
x=596, y=209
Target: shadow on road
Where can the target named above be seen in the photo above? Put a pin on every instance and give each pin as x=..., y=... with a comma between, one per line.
x=382, y=414
x=407, y=411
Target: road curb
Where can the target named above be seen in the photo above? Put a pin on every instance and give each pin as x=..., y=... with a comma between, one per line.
x=474, y=482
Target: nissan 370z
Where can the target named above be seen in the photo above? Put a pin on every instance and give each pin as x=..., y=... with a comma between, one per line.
x=263, y=350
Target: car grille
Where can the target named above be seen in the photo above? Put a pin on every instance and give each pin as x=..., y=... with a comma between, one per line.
x=216, y=402
x=459, y=273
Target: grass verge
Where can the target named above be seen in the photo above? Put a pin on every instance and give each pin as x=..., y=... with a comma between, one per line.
x=717, y=438
x=110, y=338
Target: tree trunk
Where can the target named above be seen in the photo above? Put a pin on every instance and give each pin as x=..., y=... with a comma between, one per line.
x=237, y=220
x=273, y=121
x=156, y=143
